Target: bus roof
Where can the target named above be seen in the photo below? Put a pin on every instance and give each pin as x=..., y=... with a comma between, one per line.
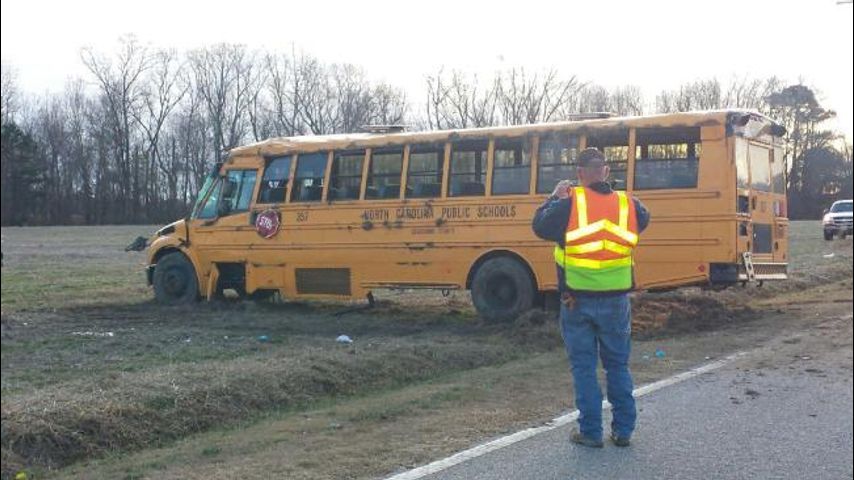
x=345, y=141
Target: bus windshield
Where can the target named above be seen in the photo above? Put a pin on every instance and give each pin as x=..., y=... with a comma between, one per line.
x=203, y=192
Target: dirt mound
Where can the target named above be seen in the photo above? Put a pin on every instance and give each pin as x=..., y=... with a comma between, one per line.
x=537, y=330
x=652, y=315
x=683, y=313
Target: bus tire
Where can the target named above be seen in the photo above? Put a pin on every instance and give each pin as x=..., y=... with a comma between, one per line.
x=502, y=289
x=175, y=280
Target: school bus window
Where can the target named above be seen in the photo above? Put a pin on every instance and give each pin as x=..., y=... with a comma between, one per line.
x=667, y=158
x=468, y=168
x=209, y=209
x=557, y=158
x=760, y=167
x=618, y=160
x=237, y=191
x=424, y=178
x=274, y=183
x=742, y=165
x=346, y=179
x=778, y=171
x=308, y=180
x=615, y=146
x=511, y=170
x=384, y=174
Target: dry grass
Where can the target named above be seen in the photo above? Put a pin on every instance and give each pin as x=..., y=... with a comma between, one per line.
x=76, y=420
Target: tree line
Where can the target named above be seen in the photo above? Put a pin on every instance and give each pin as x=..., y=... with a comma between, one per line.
x=132, y=141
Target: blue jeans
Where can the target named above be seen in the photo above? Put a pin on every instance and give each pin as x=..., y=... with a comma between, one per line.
x=600, y=327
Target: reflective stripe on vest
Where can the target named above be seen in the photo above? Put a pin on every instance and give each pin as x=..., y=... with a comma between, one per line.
x=584, y=229
x=584, y=267
x=598, y=246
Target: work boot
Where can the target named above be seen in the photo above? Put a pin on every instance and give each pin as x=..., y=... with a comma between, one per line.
x=620, y=441
x=581, y=439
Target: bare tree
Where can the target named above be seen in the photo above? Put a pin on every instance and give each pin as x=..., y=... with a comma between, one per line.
x=8, y=93
x=78, y=107
x=316, y=101
x=160, y=94
x=120, y=85
x=699, y=95
x=536, y=98
x=189, y=135
x=590, y=98
x=510, y=97
x=285, y=87
x=261, y=119
x=627, y=101
x=225, y=77
x=388, y=105
x=751, y=93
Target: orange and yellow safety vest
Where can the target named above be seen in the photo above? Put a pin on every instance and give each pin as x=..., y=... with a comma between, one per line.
x=600, y=237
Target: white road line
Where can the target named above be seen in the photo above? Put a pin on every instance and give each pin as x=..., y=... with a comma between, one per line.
x=558, y=422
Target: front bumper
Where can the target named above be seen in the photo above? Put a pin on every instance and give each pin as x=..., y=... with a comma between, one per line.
x=839, y=228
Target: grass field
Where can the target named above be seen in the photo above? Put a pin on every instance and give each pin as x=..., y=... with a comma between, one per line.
x=100, y=382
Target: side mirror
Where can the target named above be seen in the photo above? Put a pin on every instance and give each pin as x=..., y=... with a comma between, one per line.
x=826, y=211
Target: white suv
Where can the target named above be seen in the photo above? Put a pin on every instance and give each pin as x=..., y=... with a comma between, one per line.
x=837, y=220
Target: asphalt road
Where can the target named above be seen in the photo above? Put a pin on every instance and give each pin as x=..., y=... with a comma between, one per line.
x=786, y=414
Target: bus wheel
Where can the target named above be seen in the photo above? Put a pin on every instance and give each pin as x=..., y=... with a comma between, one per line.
x=502, y=289
x=175, y=280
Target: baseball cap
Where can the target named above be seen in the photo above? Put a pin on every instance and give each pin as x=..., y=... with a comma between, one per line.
x=591, y=157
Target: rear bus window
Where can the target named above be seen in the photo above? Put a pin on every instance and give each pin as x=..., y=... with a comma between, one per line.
x=468, y=168
x=667, y=158
x=511, y=171
x=742, y=166
x=424, y=179
x=384, y=174
x=346, y=178
x=778, y=171
x=556, y=160
x=274, y=183
x=760, y=167
x=308, y=180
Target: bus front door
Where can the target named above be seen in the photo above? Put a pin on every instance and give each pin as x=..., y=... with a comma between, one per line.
x=223, y=234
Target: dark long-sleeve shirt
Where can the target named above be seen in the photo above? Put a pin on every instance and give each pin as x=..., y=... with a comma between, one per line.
x=552, y=218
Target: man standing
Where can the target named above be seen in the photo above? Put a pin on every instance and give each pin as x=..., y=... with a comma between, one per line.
x=595, y=229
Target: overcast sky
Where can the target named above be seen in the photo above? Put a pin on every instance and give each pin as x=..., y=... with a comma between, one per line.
x=652, y=44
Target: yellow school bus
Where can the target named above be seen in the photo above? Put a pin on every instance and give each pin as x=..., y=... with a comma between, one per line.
x=338, y=216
